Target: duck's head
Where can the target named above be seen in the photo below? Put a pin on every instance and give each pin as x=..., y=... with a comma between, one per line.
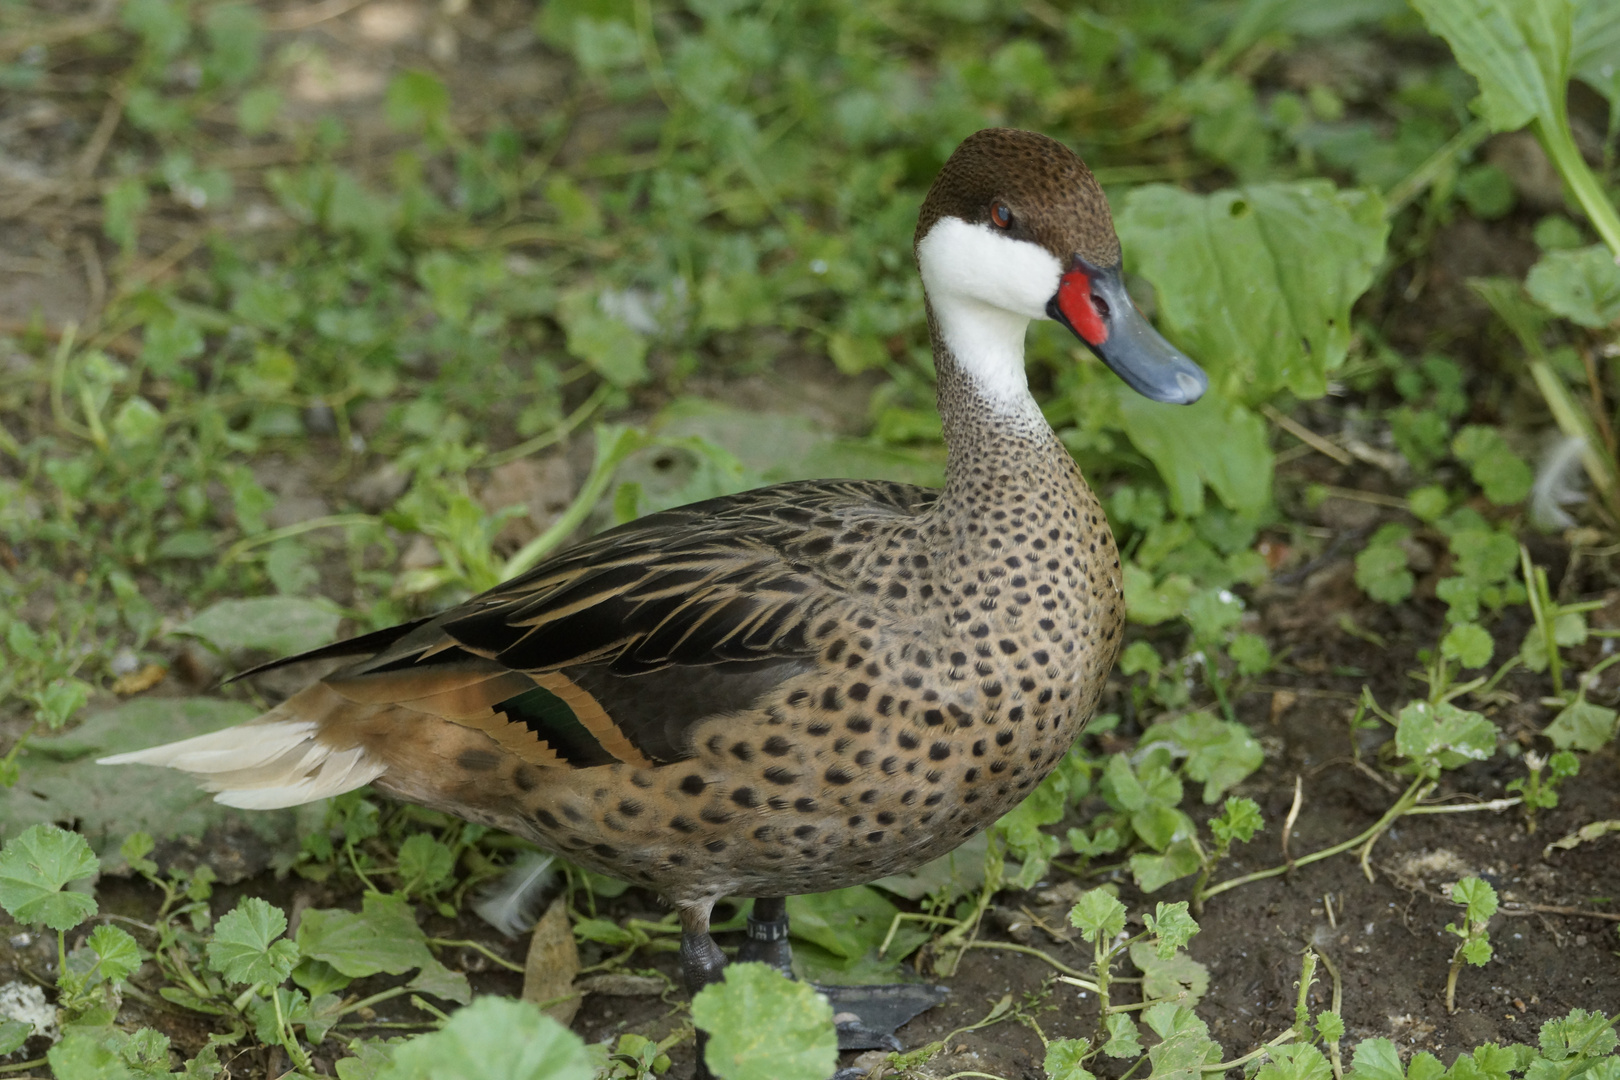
x=1016, y=228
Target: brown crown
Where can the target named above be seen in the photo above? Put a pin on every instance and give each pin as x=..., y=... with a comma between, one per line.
x=1054, y=199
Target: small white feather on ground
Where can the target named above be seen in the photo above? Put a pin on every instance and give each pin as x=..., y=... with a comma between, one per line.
x=512, y=903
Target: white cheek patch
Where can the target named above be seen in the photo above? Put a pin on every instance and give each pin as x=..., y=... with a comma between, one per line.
x=976, y=262
x=985, y=287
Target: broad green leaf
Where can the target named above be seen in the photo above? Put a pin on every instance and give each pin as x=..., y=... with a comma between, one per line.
x=117, y=951
x=1215, y=441
x=613, y=348
x=1500, y=473
x=1154, y=872
x=13, y=1033
x=1443, y=736
x=80, y=1056
x=1581, y=725
x=1469, y=644
x=492, y=1039
x=764, y=1026
x=1184, y=1044
x=1577, y=1032
x=1124, y=1039
x=1330, y=1026
x=33, y=868
x=1295, y=1062
x=1065, y=1059
x=1595, y=57
x=418, y=101
x=1477, y=897
x=1381, y=567
x=278, y=624
x=1256, y=283
x=1178, y=977
x=1517, y=49
x=441, y=982
x=425, y=862
x=851, y=923
x=1150, y=602
x=382, y=937
x=248, y=946
x=1098, y=911
x=1219, y=753
x=1582, y=285
x=1376, y=1059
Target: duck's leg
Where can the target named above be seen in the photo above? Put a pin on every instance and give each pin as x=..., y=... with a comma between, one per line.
x=767, y=941
x=702, y=963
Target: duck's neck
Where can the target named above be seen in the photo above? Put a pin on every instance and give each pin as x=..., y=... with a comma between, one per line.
x=997, y=441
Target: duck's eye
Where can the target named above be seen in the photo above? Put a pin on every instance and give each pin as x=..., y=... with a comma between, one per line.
x=1100, y=304
x=1000, y=216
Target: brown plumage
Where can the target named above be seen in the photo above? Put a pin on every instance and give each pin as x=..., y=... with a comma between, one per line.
x=792, y=689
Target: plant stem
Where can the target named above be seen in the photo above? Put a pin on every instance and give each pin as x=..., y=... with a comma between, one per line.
x=1560, y=146
x=1402, y=805
x=1451, y=979
x=446, y=943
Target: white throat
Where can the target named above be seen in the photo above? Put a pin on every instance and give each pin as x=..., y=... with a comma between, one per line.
x=985, y=288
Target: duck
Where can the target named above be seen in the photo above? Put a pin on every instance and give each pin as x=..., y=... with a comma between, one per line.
x=797, y=688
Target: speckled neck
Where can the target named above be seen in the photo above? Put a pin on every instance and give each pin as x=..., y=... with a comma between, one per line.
x=995, y=442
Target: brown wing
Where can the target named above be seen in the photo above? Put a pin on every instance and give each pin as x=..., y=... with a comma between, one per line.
x=614, y=648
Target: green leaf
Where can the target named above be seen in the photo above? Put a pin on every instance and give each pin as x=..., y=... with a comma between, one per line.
x=1477, y=898
x=1596, y=41
x=1215, y=441
x=424, y=862
x=382, y=938
x=1178, y=978
x=417, y=101
x=1443, y=736
x=1239, y=820
x=1124, y=1040
x=1065, y=1060
x=1581, y=725
x=764, y=1026
x=1330, y=1026
x=1173, y=926
x=278, y=624
x=117, y=951
x=1256, y=283
x=1469, y=644
x=1295, y=1062
x=1381, y=567
x=1098, y=911
x=1588, y=1034
x=1184, y=1046
x=13, y=1033
x=1376, y=1059
x=248, y=946
x=1251, y=654
x=1582, y=285
x=1154, y=872
x=1500, y=473
x=137, y=422
x=33, y=868
x=1149, y=602
x=492, y=1039
x=1219, y=754
x=1517, y=49
x=851, y=923
x=1477, y=950
x=82, y=1057
x=613, y=349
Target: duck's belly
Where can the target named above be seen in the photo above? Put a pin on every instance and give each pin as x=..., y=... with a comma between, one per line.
x=837, y=778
